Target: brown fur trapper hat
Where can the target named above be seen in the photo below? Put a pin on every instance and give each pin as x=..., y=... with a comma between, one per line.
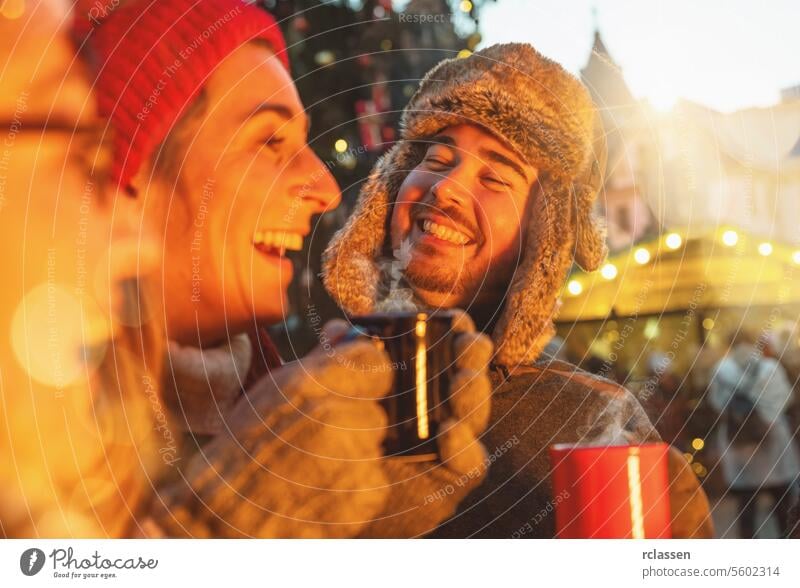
x=547, y=116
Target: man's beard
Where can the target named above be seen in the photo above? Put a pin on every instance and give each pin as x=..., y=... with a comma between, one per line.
x=442, y=278
x=439, y=278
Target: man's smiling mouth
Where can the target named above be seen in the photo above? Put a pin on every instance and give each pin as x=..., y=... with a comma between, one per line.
x=443, y=232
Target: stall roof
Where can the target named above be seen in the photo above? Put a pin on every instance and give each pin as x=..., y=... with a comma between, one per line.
x=725, y=268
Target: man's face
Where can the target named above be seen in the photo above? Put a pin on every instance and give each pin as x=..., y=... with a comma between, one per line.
x=249, y=186
x=460, y=216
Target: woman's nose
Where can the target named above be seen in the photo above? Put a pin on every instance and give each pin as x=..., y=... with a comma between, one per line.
x=320, y=189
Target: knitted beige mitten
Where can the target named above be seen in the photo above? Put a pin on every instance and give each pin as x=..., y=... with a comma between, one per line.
x=300, y=456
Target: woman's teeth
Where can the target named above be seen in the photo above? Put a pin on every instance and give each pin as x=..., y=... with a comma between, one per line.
x=281, y=241
x=444, y=233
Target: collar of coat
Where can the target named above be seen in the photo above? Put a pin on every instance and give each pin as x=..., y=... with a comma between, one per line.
x=202, y=385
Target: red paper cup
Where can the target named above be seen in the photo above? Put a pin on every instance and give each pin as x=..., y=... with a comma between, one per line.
x=618, y=492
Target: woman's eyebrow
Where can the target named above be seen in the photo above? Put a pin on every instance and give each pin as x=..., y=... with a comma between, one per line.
x=279, y=109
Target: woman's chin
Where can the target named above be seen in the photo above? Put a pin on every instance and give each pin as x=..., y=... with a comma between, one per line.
x=272, y=311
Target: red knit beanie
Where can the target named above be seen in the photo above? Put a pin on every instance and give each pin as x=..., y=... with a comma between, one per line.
x=153, y=58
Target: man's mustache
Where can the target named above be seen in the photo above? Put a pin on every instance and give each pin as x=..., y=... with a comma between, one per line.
x=454, y=213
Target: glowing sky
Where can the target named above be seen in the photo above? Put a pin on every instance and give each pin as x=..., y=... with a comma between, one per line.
x=727, y=55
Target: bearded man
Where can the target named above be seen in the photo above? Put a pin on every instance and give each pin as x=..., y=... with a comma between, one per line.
x=485, y=203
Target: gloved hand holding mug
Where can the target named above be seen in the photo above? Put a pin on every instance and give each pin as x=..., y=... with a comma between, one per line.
x=300, y=456
x=422, y=495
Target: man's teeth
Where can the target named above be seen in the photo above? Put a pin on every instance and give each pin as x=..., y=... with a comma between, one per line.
x=280, y=240
x=444, y=233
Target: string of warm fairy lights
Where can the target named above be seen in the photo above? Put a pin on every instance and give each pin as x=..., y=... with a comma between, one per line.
x=644, y=254
x=697, y=444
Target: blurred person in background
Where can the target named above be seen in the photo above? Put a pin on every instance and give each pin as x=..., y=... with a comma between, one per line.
x=794, y=521
x=659, y=396
x=210, y=137
x=786, y=343
x=750, y=392
x=78, y=373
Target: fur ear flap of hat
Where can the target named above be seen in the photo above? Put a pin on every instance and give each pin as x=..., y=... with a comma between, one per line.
x=590, y=246
x=562, y=228
x=350, y=270
x=546, y=115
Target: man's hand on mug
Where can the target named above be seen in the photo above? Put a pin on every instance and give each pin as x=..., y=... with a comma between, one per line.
x=301, y=454
x=424, y=494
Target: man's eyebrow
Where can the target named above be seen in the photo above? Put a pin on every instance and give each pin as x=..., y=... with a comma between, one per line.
x=488, y=154
x=280, y=110
x=496, y=157
x=440, y=140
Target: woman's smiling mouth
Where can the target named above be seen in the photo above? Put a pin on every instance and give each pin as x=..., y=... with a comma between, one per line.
x=277, y=243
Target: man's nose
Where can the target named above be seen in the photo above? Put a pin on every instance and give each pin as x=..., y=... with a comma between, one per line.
x=451, y=189
x=319, y=188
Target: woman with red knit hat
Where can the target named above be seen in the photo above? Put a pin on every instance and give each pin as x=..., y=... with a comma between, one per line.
x=209, y=136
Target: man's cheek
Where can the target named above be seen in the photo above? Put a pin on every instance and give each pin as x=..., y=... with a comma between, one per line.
x=400, y=225
x=394, y=231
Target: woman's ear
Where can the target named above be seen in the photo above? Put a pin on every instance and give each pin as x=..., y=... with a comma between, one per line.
x=136, y=188
x=145, y=199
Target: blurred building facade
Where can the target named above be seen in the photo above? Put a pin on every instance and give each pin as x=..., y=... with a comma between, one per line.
x=694, y=169
x=628, y=215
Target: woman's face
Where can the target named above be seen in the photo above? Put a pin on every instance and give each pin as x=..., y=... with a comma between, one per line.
x=247, y=186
